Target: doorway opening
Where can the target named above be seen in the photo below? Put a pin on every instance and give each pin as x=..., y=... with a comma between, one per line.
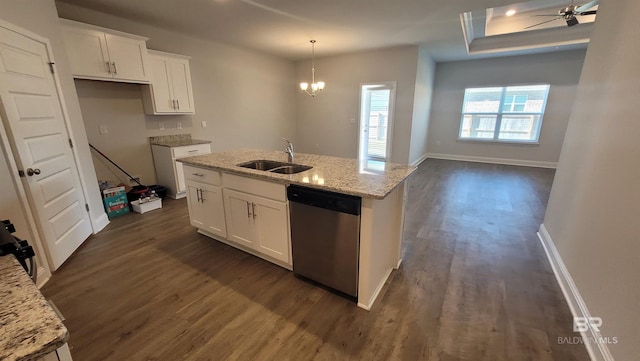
x=376, y=121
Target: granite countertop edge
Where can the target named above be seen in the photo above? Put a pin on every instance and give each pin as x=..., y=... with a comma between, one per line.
x=346, y=187
x=31, y=327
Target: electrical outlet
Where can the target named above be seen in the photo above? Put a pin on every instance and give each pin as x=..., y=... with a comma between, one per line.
x=104, y=129
x=179, y=125
x=161, y=126
x=203, y=123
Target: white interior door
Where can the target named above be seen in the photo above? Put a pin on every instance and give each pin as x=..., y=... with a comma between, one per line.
x=32, y=113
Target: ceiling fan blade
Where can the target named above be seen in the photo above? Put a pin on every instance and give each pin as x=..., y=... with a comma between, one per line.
x=587, y=6
x=547, y=15
x=544, y=22
x=591, y=12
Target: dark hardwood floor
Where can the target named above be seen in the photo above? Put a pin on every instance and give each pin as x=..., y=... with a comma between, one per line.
x=474, y=285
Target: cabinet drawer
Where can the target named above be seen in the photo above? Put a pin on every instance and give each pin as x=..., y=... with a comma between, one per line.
x=191, y=150
x=202, y=175
x=271, y=190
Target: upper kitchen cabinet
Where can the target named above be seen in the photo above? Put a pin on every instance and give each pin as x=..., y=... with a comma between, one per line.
x=101, y=54
x=170, y=91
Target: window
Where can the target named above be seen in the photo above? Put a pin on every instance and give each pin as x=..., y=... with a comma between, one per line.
x=376, y=120
x=504, y=114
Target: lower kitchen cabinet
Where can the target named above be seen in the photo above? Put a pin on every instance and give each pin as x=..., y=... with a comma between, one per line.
x=206, y=209
x=258, y=223
x=169, y=172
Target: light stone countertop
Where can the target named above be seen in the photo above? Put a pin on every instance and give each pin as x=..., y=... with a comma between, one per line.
x=176, y=140
x=30, y=327
x=342, y=175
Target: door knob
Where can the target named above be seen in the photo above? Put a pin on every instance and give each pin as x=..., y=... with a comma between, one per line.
x=31, y=172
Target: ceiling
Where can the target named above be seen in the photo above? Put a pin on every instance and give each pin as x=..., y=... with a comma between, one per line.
x=284, y=27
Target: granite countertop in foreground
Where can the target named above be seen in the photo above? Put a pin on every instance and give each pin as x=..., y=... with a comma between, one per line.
x=30, y=327
x=342, y=175
x=176, y=140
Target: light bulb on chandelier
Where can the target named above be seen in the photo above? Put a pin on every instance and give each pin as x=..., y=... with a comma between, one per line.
x=316, y=87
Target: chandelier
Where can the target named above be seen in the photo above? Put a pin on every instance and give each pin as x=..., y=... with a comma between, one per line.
x=315, y=87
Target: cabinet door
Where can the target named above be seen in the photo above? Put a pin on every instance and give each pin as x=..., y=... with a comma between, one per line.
x=271, y=228
x=181, y=83
x=196, y=208
x=214, y=219
x=161, y=87
x=129, y=56
x=239, y=216
x=87, y=53
x=206, y=208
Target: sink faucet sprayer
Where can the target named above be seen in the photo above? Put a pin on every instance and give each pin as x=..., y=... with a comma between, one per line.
x=289, y=150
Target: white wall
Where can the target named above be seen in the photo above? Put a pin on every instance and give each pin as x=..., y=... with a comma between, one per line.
x=245, y=97
x=560, y=69
x=40, y=17
x=593, y=210
x=328, y=123
x=422, y=106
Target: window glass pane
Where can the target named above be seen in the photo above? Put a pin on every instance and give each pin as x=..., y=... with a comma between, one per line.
x=482, y=100
x=518, y=110
x=478, y=126
x=519, y=127
x=525, y=99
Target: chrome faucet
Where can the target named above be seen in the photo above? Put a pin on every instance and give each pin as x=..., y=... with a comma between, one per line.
x=289, y=150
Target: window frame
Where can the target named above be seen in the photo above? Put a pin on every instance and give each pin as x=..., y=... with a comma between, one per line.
x=499, y=115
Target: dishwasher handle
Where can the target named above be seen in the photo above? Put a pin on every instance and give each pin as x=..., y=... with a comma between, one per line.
x=332, y=201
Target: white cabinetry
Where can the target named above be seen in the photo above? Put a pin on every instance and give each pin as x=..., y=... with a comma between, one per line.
x=257, y=216
x=169, y=173
x=102, y=54
x=256, y=213
x=204, y=198
x=259, y=223
x=170, y=91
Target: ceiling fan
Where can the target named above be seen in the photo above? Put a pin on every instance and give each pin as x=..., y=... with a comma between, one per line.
x=569, y=13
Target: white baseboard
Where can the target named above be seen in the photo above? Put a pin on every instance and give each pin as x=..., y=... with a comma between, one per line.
x=469, y=158
x=598, y=351
x=420, y=160
x=43, y=276
x=369, y=303
x=98, y=223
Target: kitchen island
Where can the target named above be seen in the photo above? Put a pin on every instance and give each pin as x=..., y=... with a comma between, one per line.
x=225, y=199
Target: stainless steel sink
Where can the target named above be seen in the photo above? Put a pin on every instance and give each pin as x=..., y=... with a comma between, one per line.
x=290, y=169
x=262, y=164
x=275, y=166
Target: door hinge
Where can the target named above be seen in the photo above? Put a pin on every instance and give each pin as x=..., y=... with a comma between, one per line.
x=51, y=67
x=70, y=143
x=86, y=206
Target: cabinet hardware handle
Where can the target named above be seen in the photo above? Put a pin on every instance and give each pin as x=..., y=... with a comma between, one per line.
x=198, y=194
x=253, y=207
x=115, y=70
x=108, y=67
x=202, y=196
x=248, y=211
x=197, y=174
x=173, y=103
x=193, y=151
x=178, y=102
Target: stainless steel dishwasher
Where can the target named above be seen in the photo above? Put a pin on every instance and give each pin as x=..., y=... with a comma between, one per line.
x=325, y=237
